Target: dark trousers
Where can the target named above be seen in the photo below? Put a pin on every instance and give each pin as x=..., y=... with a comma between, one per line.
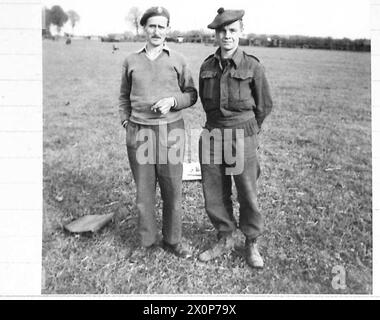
x=217, y=185
x=147, y=173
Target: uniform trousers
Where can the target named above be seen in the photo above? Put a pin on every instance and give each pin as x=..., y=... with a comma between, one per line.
x=217, y=181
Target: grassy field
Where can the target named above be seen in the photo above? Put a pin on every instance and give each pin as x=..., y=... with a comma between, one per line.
x=315, y=187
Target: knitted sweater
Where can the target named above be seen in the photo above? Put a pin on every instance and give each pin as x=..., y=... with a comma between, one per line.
x=144, y=82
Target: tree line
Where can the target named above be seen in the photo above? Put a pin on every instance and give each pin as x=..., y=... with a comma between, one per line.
x=307, y=42
x=57, y=17
x=201, y=36
x=263, y=40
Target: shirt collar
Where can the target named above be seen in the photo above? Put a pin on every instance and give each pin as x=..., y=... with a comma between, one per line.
x=164, y=48
x=236, y=57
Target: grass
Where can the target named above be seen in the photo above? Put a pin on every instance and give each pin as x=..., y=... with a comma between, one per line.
x=315, y=187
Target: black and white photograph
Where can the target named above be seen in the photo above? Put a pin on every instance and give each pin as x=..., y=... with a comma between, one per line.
x=206, y=148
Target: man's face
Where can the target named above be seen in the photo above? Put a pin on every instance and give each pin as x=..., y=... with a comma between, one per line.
x=156, y=29
x=228, y=36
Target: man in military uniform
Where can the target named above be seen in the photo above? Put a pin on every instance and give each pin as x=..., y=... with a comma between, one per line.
x=235, y=96
x=156, y=85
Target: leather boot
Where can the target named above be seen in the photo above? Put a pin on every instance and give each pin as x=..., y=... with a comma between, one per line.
x=224, y=245
x=254, y=258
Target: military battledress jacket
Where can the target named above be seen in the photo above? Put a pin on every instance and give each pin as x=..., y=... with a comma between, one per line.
x=237, y=95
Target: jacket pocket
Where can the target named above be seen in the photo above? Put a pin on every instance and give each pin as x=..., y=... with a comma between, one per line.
x=209, y=81
x=240, y=85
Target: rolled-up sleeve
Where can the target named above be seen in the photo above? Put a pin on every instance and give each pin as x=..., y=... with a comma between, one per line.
x=261, y=94
x=189, y=94
x=125, y=90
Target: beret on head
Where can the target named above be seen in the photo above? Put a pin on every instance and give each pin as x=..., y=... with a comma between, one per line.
x=225, y=17
x=154, y=11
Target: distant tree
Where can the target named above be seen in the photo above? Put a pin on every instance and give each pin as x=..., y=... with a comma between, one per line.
x=46, y=22
x=74, y=18
x=128, y=35
x=174, y=33
x=133, y=18
x=58, y=17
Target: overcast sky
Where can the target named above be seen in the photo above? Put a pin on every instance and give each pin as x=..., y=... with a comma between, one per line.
x=335, y=18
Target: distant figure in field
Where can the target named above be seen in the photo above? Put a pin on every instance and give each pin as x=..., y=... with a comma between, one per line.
x=235, y=96
x=114, y=48
x=68, y=40
x=156, y=85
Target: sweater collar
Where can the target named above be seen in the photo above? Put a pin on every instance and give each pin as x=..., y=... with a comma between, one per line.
x=164, y=48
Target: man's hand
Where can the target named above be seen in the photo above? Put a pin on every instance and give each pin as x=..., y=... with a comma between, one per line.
x=164, y=105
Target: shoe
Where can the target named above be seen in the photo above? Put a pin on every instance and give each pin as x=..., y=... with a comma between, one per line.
x=224, y=245
x=254, y=258
x=177, y=249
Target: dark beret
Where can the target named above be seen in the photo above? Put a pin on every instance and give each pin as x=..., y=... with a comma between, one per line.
x=154, y=11
x=225, y=17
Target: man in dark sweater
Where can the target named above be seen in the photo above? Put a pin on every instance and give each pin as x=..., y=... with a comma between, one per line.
x=156, y=85
x=236, y=98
